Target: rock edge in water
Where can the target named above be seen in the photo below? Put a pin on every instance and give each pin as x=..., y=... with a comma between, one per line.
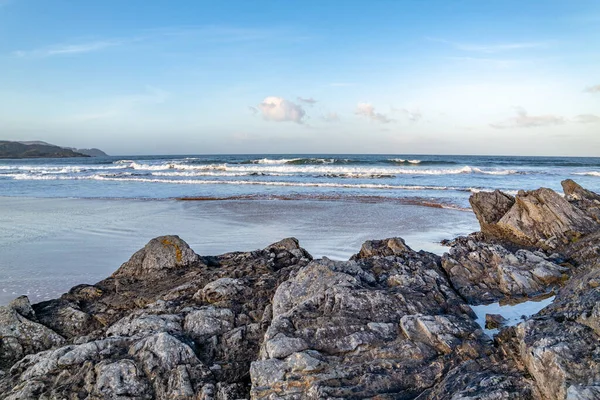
x=391, y=323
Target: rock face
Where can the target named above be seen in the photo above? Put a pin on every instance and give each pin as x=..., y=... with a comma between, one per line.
x=383, y=326
x=582, y=198
x=538, y=218
x=485, y=272
x=390, y=323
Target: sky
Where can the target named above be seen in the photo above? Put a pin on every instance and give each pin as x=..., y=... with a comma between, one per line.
x=395, y=77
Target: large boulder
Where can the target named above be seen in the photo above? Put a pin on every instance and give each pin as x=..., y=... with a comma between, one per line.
x=485, y=272
x=158, y=256
x=538, y=218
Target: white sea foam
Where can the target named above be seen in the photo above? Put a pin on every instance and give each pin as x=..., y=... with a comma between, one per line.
x=588, y=173
x=318, y=169
x=100, y=177
x=270, y=161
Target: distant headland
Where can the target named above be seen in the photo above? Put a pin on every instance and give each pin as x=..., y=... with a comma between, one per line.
x=39, y=149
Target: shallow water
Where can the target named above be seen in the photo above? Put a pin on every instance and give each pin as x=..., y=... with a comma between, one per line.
x=49, y=245
x=513, y=313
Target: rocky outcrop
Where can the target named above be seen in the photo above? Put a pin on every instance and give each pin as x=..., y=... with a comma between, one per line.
x=582, y=198
x=538, y=218
x=487, y=272
x=383, y=326
x=168, y=324
x=391, y=323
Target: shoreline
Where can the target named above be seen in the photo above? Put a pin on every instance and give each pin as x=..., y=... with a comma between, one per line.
x=55, y=243
x=172, y=323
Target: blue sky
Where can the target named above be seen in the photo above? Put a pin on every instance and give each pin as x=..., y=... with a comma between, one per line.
x=156, y=77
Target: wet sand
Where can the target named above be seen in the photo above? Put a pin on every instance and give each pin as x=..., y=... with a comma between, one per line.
x=49, y=245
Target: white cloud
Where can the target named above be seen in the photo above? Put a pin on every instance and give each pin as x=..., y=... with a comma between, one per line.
x=367, y=110
x=279, y=109
x=309, y=101
x=524, y=120
x=331, y=117
x=68, y=49
x=593, y=89
x=586, y=119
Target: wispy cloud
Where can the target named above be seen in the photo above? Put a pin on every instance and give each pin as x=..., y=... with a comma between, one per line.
x=586, y=119
x=309, y=101
x=411, y=115
x=330, y=117
x=524, y=120
x=67, y=49
x=592, y=89
x=206, y=34
x=489, y=48
x=122, y=105
x=368, y=111
x=491, y=62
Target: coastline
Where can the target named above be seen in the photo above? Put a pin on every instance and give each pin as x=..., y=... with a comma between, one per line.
x=509, y=311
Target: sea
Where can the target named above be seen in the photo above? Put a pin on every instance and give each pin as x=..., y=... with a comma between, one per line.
x=65, y=222
x=443, y=181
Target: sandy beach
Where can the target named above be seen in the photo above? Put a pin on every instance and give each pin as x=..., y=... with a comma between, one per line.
x=54, y=244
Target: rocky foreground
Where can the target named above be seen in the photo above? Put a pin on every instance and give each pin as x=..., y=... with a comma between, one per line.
x=391, y=323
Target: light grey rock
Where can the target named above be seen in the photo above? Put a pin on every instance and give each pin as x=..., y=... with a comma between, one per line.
x=484, y=272
x=22, y=305
x=208, y=321
x=19, y=336
x=118, y=380
x=583, y=199
x=161, y=254
x=223, y=290
x=540, y=218
x=144, y=324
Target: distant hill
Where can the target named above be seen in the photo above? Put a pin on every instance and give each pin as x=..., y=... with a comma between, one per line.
x=35, y=150
x=93, y=152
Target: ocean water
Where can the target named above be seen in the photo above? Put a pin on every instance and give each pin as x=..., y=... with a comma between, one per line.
x=435, y=180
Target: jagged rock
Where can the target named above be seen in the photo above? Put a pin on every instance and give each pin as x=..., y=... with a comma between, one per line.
x=562, y=357
x=223, y=290
x=489, y=208
x=380, y=326
x=484, y=272
x=144, y=324
x=494, y=321
x=19, y=336
x=118, y=380
x=482, y=380
x=382, y=248
x=151, y=335
x=22, y=305
x=583, y=199
x=159, y=255
x=538, y=218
